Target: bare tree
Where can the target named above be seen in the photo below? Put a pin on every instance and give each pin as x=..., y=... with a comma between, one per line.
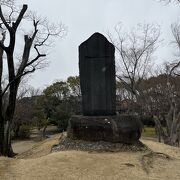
x=173, y=117
x=134, y=52
x=170, y=1
x=30, y=60
x=163, y=98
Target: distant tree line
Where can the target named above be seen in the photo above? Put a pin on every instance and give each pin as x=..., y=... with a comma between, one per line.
x=59, y=101
x=54, y=105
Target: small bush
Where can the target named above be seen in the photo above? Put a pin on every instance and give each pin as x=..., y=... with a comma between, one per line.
x=62, y=125
x=24, y=131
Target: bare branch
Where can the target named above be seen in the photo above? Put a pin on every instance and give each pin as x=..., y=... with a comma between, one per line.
x=27, y=48
x=15, y=79
x=135, y=50
x=175, y=28
x=170, y=1
x=3, y=20
x=3, y=34
x=174, y=67
x=20, y=17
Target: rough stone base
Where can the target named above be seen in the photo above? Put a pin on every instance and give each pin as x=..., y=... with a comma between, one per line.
x=124, y=129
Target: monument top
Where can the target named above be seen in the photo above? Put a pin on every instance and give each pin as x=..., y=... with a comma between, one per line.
x=97, y=46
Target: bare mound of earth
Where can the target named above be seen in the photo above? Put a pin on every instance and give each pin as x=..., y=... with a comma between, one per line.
x=39, y=164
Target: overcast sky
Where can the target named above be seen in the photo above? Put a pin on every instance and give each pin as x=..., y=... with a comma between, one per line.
x=84, y=17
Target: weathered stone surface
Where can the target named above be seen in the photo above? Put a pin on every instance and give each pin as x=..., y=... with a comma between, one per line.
x=97, y=79
x=97, y=76
x=124, y=129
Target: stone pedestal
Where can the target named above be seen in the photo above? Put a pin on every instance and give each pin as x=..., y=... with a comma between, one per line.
x=124, y=129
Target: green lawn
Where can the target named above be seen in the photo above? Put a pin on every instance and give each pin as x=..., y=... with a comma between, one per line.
x=149, y=132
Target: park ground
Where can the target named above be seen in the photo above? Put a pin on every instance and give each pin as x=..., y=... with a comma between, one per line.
x=35, y=162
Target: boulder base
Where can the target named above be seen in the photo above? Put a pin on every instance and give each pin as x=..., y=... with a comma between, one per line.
x=122, y=128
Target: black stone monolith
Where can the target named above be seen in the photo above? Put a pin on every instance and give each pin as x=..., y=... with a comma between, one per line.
x=99, y=121
x=97, y=76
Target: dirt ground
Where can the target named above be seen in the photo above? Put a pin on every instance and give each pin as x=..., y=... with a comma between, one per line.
x=21, y=146
x=39, y=164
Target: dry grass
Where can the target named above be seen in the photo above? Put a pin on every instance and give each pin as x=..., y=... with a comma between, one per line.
x=40, y=165
x=40, y=149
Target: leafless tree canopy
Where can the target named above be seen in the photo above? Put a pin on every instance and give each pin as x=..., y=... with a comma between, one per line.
x=162, y=98
x=170, y=1
x=134, y=52
x=36, y=42
x=35, y=47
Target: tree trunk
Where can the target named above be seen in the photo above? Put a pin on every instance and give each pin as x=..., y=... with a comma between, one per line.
x=6, y=115
x=6, y=122
x=1, y=106
x=1, y=136
x=16, y=131
x=5, y=140
x=158, y=133
x=44, y=132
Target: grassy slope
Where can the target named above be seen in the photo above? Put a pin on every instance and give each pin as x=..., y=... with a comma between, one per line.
x=40, y=165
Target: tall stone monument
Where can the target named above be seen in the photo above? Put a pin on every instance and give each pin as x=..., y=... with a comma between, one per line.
x=98, y=87
x=97, y=76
